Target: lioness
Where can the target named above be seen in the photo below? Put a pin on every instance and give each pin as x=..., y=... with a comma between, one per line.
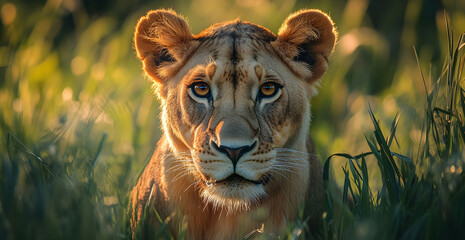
x=235, y=154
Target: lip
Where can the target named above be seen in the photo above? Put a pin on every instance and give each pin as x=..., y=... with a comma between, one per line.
x=235, y=178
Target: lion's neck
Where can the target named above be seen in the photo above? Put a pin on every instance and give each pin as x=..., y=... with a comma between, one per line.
x=205, y=222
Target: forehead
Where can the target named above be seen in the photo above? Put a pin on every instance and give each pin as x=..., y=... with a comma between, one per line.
x=235, y=48
x=233, y=42
x=236, y=29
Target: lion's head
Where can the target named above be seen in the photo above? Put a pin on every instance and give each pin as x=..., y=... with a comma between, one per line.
x=235, y=101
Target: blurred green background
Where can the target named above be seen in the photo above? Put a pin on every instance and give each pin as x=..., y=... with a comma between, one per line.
x=66, y=62
x=72, y=89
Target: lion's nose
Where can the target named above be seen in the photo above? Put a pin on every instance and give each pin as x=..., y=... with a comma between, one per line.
x=234, y=153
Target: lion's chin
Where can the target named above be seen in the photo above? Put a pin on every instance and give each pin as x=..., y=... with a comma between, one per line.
x=230, y=197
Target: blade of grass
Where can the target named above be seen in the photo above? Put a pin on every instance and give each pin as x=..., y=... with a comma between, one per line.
x=345, y=155
x=365, y=194
x=403, y=158
x=14, y=142
x=462, y=100
x=344, y=198
x=392, y=134
x=386, y=177
x=387, y=161
x=99, y=150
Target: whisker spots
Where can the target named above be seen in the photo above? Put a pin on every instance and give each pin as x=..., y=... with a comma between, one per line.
x=258, y=160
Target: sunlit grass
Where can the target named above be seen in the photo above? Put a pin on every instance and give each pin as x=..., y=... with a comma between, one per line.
x=421, y=199
x=78, y=121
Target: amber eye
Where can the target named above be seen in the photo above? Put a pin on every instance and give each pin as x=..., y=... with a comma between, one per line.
x=201, y=89
x=269, y=89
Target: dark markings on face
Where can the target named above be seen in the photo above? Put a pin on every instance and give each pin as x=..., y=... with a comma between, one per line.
x=199, y=76
x=233, y=35
x=254, y=54
x=271, y=77
x=234, y=59
x=235, y=30
x=244, y=29
x=214, y=54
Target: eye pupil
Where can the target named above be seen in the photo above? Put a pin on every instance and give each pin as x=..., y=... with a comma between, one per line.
x=268, y=89
x=201, y=89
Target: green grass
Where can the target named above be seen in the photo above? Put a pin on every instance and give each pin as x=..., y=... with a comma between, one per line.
x=421, y=199
x=57, y=195
x=53, y=193
x=78, y=121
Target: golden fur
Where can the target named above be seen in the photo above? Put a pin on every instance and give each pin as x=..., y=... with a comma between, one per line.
x=234, y=159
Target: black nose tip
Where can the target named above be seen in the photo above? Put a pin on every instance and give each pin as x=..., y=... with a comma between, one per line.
x=234, y=153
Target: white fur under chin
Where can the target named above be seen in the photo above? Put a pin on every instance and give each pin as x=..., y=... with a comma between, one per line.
x=233, y=198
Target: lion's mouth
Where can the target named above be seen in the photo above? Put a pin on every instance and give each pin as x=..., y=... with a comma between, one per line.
x=237, y=179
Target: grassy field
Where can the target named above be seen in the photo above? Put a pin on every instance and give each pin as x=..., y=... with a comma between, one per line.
x=78, y=120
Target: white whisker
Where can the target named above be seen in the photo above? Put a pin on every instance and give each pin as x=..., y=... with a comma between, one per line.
x=195, y=182
x=291, y=150
x=302, y=162
x=281, y=175
x=290, y=164
x=179, y=176
x=284, y=170
x=180, y=167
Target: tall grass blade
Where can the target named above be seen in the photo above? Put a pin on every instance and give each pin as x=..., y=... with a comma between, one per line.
x=462, y=101
x=365, y=195
x=387, y=161
x=344, y=199
x=392, y=134
x=99, y=150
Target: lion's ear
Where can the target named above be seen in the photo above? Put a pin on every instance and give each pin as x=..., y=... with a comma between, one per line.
x=307, y=36
x=162, y=38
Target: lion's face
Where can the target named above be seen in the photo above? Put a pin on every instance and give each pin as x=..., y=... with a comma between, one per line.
x=235, y=100
x=235, y=108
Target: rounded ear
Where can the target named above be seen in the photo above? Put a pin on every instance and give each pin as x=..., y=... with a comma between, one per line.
x=307, y=36
x=162, y=39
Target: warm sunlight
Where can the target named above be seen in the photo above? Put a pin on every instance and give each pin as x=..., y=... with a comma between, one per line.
x=85, y=98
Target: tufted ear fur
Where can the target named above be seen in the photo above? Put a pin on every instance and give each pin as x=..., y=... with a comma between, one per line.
x=307, y=36
x=162, y=40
